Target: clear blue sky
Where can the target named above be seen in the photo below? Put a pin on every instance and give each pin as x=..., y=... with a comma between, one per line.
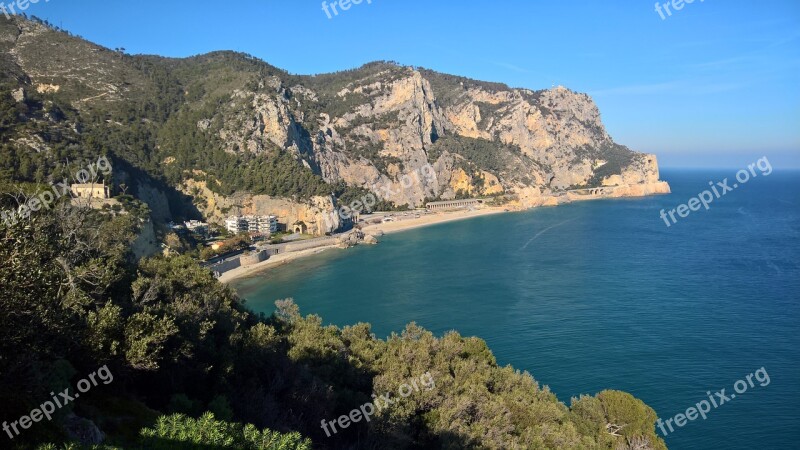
x=715, y=84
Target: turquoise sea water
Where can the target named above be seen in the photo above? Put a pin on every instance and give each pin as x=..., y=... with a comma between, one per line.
x=600, y=295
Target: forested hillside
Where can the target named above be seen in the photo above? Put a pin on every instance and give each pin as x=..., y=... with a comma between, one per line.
x=177, y=341
x=74, y=298
x=238, y=124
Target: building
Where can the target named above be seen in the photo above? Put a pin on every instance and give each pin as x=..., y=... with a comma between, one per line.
x=300, y=227
x=454, y=204
x=252, y=224
x=195, y=226
x=93, y=190
x=235, y=224
x=267, y=224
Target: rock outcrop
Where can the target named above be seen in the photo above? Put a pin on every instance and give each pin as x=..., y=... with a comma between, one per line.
x=377, y=127
x=315, y=213
x=481, y=139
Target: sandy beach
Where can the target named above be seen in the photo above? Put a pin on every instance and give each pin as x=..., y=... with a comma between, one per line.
x=397, y=226
x=429, y=219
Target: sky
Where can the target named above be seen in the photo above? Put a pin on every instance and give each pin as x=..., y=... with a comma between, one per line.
x=715, y=83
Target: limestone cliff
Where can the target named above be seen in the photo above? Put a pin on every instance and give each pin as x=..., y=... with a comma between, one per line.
x=230, y=130
x=383, y=121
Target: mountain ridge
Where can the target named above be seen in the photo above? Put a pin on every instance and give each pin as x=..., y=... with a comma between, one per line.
x=227, y=120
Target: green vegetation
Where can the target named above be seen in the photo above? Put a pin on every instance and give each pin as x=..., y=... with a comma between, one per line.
x=179, y=432
x=490, y=156
x=178, y=341
x=450, y=88
x=238, y=242
x=618, y=157
x=478, y=155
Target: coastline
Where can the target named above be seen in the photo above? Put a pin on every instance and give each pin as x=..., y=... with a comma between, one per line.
x=274, y=261
x=376, y=229
x=433, y=219
x=398, y=226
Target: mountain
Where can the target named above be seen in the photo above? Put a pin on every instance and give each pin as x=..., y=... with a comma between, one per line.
x=225, y=131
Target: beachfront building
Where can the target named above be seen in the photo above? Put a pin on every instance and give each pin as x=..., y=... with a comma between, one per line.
x=273, y=224
x=252, y=224
x=92, y=190
x=454, y=204
x=236, y=224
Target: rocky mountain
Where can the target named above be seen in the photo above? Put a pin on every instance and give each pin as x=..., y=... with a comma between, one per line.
x=202, y=129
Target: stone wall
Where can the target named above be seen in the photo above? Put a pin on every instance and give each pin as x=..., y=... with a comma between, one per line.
x=309, y=244
x=226, y=266
x=254, y=258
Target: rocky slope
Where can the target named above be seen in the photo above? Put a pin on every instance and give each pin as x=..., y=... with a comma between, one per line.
x=229, y=121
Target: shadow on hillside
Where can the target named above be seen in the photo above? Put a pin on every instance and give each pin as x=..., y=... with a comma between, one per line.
x=165, y=201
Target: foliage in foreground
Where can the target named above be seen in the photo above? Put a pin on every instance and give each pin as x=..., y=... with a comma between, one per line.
x=179, y=432
x=178, y=341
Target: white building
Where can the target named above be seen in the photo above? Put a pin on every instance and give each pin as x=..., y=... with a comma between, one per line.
x=252, y=224
x=267, y=224
x=195, y=226
x=236, y=224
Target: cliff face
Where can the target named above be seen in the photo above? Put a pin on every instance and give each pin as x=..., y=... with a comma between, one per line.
x=202, y=119
x=315, y=213
x=481, y=139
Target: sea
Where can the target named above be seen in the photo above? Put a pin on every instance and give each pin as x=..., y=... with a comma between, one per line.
x=602, y=295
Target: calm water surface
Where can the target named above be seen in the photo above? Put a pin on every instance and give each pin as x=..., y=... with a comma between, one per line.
x=600, y=295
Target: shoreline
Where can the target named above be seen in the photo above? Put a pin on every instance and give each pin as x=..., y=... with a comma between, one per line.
x=429, y=219
x=432, y=219
x=272, y=262
x=376, y=229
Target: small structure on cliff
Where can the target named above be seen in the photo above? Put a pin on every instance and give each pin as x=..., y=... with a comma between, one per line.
x=91, y=190
x=300, y=227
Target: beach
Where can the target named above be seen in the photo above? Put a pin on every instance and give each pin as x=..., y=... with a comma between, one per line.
x=394, y=226
x=429, y=219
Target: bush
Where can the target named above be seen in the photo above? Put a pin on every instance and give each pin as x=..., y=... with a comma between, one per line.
x=180, y=432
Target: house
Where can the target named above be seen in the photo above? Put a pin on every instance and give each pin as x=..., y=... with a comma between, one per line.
x=91, y=191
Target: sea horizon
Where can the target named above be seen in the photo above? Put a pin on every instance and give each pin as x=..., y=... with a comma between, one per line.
x=675, y=293
x=399, y=225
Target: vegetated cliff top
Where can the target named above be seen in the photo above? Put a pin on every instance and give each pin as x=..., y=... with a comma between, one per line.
x=178, y=340
x=229, y=119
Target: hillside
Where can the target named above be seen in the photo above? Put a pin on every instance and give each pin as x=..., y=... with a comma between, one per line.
x=210, y=128
x=170, y=339
x=191, y=366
